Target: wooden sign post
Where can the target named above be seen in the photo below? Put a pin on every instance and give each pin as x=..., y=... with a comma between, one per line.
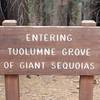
x=49, y=50
x=86, y=82
x=11, y=81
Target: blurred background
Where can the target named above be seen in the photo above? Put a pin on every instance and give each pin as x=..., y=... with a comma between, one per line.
x=50, y=12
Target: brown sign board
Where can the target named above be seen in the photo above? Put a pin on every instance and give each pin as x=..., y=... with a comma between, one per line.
x=54, y=50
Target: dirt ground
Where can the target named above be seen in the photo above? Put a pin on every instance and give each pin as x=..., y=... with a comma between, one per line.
x=50, y=88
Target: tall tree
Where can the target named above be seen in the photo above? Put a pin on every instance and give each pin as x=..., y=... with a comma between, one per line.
x=95, y=11
x=50, y=12
x=86, y=10
x=55, y=12
x=75, y=12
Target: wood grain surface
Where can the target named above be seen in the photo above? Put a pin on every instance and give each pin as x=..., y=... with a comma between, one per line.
x=83, y=37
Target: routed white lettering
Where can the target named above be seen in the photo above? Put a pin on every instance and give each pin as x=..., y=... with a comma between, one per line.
x=76, y=52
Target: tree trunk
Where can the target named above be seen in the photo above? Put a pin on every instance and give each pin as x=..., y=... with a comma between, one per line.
x=86, y=10
x=95, y=11
x=62, y=13
x=50, y=12
x=75, y=12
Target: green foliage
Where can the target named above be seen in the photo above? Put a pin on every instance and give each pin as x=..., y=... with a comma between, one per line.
x=45, y=12
x=74, y=8
x=31, y=7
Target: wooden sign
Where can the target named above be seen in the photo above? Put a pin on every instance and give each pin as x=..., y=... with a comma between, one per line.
x=73, y=50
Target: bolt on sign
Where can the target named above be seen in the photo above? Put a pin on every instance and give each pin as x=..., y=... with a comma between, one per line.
x=54, y=50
